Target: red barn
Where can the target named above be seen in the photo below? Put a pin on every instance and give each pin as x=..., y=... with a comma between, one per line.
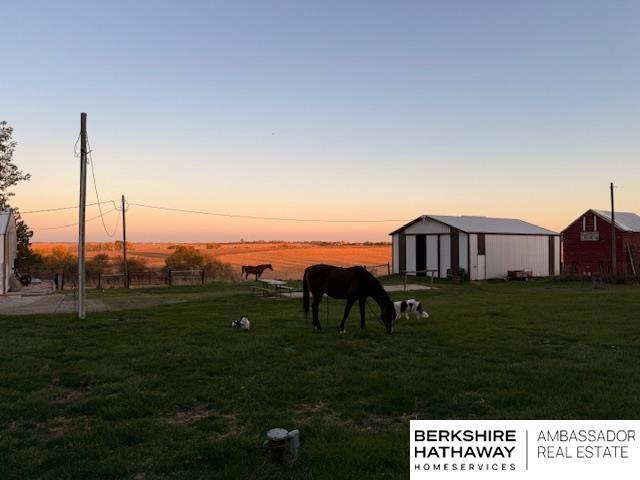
x=586, y=244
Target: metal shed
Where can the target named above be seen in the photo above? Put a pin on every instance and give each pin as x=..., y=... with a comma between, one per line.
x=8, y=251
x=484, y=247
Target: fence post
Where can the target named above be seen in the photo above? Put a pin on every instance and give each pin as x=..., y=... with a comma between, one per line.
x=128, y=279
x=99, y=280
x=170, y=279
x=202, y=273
x=388, y=268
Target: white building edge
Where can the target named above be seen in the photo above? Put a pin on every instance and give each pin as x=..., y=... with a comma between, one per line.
x=484, y=247
x=8, y=249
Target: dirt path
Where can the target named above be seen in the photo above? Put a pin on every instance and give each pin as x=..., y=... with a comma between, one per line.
x=46, y=304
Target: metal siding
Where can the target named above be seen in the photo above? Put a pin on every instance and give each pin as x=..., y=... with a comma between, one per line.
x=445, y=255
x=395, y=253
x=473, y=252
x=426, y=226
x=517, y=252
x=432, y=252
x=464, y=252
x=411, y=253
x=557, y=253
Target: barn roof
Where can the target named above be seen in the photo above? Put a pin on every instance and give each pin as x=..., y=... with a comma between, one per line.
x=471, y=224
x=626, y=221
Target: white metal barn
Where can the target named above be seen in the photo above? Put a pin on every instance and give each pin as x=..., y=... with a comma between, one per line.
x=484, y=247
x=8, y=249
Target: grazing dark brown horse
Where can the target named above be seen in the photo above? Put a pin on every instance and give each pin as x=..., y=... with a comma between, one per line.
x=257, y=270
x=353, y=283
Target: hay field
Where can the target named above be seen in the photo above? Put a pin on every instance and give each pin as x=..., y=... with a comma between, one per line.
x=288, y=259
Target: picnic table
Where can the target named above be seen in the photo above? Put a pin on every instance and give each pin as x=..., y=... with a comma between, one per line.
x=272, y=287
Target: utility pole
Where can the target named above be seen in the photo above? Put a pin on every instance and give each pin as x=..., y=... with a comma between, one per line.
x=83, y=204
x=124, y=245
x=614, y=263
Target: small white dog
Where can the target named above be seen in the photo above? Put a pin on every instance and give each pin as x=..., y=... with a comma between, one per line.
x=242, y=324
x=407, y=308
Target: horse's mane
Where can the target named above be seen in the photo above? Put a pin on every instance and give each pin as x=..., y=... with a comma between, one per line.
x=381, y=294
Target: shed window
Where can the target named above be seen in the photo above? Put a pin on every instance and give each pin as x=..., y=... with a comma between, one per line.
x=584, y=223
x=595, y=223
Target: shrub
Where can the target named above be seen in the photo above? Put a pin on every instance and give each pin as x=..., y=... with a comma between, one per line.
x=118, y=245
x=184, y=258
x=33, y=263
x=61, y=260
x=98, y=264
x=134, y=264
x=218, y=270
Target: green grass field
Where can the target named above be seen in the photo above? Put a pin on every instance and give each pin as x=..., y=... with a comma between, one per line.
x=171, y=391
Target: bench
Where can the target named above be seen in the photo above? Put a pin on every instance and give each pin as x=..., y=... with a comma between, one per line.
x=456, y=274
x=260, y=290
x=284, y=289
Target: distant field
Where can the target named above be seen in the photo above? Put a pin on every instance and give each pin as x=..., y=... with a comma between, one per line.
x=288, y=259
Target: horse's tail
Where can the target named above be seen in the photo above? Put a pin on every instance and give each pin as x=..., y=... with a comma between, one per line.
x=243, y=269
x=305, y=294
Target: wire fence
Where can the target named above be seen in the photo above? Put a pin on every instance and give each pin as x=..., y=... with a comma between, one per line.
x=139, y=278
x=379, y=270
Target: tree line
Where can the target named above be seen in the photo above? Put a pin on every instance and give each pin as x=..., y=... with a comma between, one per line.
x=64, y=260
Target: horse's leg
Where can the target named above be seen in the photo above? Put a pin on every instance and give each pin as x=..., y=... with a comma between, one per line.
x=314, y=311
x=347, y=309
x=363, y=301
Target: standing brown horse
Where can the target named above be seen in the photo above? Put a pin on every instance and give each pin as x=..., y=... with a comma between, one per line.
x=257, y=270
x=353, y=283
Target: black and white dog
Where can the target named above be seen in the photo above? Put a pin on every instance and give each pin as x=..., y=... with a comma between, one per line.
x=407, y=308
x=242, y=324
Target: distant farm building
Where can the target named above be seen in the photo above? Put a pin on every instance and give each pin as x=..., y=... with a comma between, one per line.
x=8, y=249
x=484, y=247
x=586, y=244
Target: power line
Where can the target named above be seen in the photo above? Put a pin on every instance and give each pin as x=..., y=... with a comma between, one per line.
x=215, y=214
x=68, y=208
x=95, y=186
x=71, y=224
x=254, y=217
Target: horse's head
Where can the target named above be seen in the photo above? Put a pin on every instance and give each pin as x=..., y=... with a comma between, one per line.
x=269, y=267
x=387, y=316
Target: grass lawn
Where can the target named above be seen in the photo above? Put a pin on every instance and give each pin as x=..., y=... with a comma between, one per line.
x=171, y=391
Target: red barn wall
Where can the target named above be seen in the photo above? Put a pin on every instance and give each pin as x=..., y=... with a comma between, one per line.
x=584, y=257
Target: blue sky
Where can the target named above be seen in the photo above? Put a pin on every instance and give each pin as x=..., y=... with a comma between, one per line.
x=324, y=109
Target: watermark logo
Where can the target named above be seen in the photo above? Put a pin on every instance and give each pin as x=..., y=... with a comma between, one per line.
x=522, y=448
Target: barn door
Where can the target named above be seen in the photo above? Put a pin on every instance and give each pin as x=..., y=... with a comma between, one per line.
x=421, y=254
x=402, y=252
x=432, y=252
x=482, y=257
x=482, y=267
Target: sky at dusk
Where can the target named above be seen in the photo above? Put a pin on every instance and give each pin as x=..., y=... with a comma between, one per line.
x=334, y=109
